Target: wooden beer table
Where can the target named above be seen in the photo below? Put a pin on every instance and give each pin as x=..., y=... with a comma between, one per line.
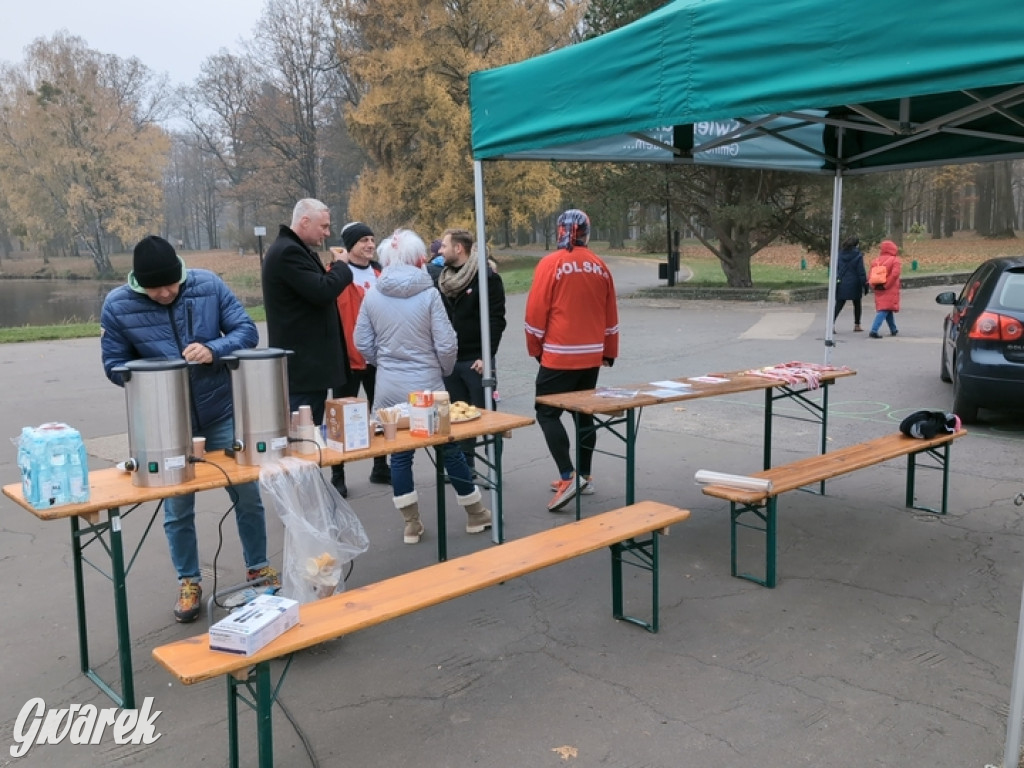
x=99, y=520
x=613, y=407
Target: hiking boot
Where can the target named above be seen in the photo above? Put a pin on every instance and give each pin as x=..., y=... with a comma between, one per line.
x=381, y=473
x=565, y=493
x=587, y=490
x=190, y=598
x=268, y=572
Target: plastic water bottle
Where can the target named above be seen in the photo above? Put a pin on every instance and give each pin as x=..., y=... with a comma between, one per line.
x=54, y=466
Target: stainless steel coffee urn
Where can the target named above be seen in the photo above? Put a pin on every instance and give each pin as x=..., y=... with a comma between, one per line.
x=159, y=427
x=259, y=389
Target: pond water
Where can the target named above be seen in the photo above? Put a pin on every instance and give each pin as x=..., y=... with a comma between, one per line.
x=51, y=302
x=55, y=302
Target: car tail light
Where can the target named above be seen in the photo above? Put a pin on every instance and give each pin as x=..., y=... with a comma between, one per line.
x=991, y=326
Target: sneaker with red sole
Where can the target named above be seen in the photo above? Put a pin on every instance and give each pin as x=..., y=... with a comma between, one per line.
x=565, y=493
x=587, y=490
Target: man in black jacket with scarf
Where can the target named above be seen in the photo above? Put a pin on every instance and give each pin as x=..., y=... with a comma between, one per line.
x=301, y=300
x=458, y=285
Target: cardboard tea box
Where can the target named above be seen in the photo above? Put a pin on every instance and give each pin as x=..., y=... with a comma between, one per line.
x=347, y=422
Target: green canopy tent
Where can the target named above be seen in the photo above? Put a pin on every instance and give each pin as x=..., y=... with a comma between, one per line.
x=805, y=85
x=815, y=85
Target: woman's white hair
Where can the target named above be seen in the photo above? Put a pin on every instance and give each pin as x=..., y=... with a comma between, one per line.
x=403, y=247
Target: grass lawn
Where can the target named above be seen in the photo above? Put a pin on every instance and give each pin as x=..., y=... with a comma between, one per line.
x=777, y=266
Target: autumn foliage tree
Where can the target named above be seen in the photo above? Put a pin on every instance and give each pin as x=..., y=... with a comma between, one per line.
x=409, y=62
x=81, y=155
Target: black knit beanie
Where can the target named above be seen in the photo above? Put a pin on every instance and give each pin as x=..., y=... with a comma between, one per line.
x=353, y=232
x=155, y=264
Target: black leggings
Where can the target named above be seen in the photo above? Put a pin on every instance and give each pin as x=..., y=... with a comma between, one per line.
x=840, y=303
x=554, y=382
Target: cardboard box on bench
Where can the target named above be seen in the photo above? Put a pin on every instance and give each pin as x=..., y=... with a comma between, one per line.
x=252, y=626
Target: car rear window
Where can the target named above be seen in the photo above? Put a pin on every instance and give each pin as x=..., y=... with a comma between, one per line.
x=1011, y=294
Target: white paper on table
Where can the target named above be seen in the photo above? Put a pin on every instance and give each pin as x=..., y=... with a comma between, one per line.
x=666, y=384
x=617, y=392
x=709, y=379
x=666, y=392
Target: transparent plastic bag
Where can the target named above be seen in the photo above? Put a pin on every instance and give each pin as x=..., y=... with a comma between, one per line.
x=322, y=532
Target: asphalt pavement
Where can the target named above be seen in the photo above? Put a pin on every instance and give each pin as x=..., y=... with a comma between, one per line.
x=889, y=640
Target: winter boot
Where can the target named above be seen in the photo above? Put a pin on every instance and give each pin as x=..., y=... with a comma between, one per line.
x=409, y=506
x=478, y=517
x=381, y=472
x=338, y=480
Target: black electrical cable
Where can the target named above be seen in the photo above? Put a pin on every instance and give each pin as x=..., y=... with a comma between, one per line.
x=220, y=524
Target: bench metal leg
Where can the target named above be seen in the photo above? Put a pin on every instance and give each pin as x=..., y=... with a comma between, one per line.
x=768, y=525
x=642, y=554
x=261, y=697
x=940, y=455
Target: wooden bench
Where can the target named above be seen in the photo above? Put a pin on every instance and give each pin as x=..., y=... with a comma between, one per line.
x=631, y=532
x=816, y=469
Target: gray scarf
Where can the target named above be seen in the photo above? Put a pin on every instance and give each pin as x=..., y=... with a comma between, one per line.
x=454, y=280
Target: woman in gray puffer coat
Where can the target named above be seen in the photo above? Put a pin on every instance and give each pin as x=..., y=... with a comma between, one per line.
x=403, y=329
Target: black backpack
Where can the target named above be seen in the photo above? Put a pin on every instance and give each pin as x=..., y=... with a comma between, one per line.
x=928, y=424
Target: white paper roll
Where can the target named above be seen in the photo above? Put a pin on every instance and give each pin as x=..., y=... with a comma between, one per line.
x=707, y=477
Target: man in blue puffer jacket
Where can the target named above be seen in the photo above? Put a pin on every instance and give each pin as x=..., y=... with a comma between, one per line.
x=167, y=312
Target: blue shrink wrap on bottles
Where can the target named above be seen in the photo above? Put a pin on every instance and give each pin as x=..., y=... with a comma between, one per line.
x=54, y=466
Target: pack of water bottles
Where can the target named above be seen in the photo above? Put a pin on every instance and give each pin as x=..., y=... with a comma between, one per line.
x=54, y=467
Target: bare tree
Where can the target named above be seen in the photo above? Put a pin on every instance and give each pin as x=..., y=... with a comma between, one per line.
x=295, y=60
x=219, y=110
x=994, y=215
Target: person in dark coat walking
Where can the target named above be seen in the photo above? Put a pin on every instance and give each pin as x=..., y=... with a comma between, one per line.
x=301, y=300
x=851, y=280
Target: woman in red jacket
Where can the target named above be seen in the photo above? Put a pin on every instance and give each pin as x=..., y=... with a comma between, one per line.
x=887, y=294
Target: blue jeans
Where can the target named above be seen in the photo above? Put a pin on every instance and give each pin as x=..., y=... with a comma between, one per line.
x=402, y=481
x=465, y=384
x=179, y=515
x=889, y=317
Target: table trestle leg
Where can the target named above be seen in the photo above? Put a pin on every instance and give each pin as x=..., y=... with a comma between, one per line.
x=95, y=532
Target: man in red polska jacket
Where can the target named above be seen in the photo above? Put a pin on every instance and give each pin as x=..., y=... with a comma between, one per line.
x=572, y=329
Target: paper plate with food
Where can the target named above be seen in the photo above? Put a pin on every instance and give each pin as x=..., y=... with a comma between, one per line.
x=462, y=411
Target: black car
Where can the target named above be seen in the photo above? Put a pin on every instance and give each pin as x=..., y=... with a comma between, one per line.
x=983, y=339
